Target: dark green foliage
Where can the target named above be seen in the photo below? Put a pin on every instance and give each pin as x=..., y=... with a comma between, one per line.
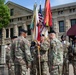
x=2, y=2
x=4, y=14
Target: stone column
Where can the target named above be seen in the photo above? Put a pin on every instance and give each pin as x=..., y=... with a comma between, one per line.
x=24, y=26
x=15, y=30
x=67, y=26
x=67, y=23
x=56, y=27
x=9, y=32
x=3, y=51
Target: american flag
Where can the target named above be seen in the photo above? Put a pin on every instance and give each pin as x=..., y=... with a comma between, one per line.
x=41, y=19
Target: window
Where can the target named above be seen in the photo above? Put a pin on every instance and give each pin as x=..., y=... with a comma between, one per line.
x=19, y=28
x=19, y=19
x=7, y=33
x=60, y=12
x=11, y=20
x=11, y=12
x=28, y=29
x=61, y=26
x=0, y=33
x=0, y=52
x=72, y=10
x=11, y=32
x=28, y=17
x=73, y=22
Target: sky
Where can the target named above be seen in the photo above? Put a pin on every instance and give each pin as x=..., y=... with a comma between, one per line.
x=30, y=3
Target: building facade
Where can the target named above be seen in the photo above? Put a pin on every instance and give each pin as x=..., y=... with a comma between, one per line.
x=64, y=16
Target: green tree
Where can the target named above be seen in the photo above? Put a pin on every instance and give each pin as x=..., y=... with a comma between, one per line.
x=4, y=14
x=4, y=21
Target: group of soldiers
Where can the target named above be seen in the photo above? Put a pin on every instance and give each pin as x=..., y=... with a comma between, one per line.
x=44, y=57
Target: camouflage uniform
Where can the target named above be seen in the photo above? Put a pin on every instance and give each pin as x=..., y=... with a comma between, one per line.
x=34, y=61
x=74, y=59
x=56, y=57
x=12, y=69
x=8, y=57
x=66, y=45
x=44, y=47
x=21, y=55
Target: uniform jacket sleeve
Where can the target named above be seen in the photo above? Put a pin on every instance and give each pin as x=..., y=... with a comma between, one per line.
x=28, y=54
x=45, y=46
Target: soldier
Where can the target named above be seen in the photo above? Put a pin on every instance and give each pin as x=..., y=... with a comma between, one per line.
x=66, y=46
x=34, y=54
x=44, y=47
x=55, y=54
x=21, y=55
x=11, y=63
x=7, y=47
x=74, y=56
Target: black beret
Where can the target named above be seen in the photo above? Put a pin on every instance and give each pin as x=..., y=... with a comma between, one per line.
x=22, y=30
x=33, y=43
x=52, y=31
x=75, y=37
x=13, y=37
x=42, y=35
x=63, y=36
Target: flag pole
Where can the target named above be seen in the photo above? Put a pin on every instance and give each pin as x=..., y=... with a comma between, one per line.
x=39, y=60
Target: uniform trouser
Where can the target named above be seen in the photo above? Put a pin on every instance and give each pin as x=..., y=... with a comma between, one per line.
x=56, y=70
x=12, y=70
x=44, y=68
x=20, y=69
x=66, y=67
x=74, y=67
x=34, y=68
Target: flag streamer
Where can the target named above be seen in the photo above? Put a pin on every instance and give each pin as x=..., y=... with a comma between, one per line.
x=48, y=14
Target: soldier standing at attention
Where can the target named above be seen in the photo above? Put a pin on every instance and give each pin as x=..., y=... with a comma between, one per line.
x=74, y=56
x=55, y=54
x=21, y=53
x=7, y=47
x=66, y=46
x=34, y=54
x=11, y=63
x=44, y=47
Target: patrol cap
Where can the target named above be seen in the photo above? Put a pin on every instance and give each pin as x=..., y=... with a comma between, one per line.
x=42, y=35
x=22, y=30
x=13, y=37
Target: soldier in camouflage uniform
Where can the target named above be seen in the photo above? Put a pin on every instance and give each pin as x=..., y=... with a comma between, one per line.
x=21, y=55
x=74, y=56
x=34, y=54
x=11, y=63
x=7, y=47
x=55, y=54
x=66, y=45
x=44, y=47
